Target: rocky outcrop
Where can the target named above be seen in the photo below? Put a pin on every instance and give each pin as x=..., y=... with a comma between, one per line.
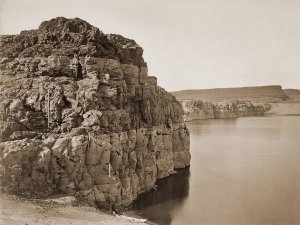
x=199, y=110
x=106, y=137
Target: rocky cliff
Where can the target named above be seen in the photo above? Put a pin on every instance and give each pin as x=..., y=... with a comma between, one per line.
x=223, y=103
x=106, y=137
x=199, y=110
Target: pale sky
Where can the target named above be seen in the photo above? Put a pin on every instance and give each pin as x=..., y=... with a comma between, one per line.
x=188, y=44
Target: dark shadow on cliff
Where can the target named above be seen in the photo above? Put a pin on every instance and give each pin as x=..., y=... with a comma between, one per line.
x=171, y=194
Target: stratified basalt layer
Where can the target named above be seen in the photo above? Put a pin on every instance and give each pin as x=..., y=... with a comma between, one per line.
x=200, y=110
x=115, y=117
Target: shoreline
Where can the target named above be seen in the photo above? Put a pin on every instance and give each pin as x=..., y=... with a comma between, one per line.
x=59, y=210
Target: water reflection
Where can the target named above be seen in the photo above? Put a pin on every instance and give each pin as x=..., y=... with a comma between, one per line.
x=172, y=192
x=243, y=172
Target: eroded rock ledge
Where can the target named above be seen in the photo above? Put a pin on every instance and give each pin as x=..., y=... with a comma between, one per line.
x=116, y=115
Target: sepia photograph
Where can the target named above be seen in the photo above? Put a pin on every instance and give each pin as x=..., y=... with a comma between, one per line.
x=131, y=112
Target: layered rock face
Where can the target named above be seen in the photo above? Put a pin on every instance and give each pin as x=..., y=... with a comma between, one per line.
x=199, y=110
x=106, y=137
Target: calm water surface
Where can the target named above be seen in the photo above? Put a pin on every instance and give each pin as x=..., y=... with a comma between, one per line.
x=243, y=172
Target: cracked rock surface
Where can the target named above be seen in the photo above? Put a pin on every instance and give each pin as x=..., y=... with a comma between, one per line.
x=106, y=137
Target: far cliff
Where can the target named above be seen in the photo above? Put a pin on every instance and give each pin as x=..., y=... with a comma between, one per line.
x=236, y=102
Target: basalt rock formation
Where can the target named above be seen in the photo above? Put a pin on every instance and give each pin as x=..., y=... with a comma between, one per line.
x=223, y=103
x=106, y=137
x=200, y=110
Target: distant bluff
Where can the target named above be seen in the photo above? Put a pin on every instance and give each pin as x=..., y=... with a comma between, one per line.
x=106, y=136
x=229, y=102
x=271, y=93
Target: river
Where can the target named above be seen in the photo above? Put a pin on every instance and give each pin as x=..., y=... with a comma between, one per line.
x=243, y=171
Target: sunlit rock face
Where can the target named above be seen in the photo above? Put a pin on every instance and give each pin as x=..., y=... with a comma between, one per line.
x=106, y=137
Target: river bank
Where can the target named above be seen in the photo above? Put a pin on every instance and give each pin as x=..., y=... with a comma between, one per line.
x=59, y=210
